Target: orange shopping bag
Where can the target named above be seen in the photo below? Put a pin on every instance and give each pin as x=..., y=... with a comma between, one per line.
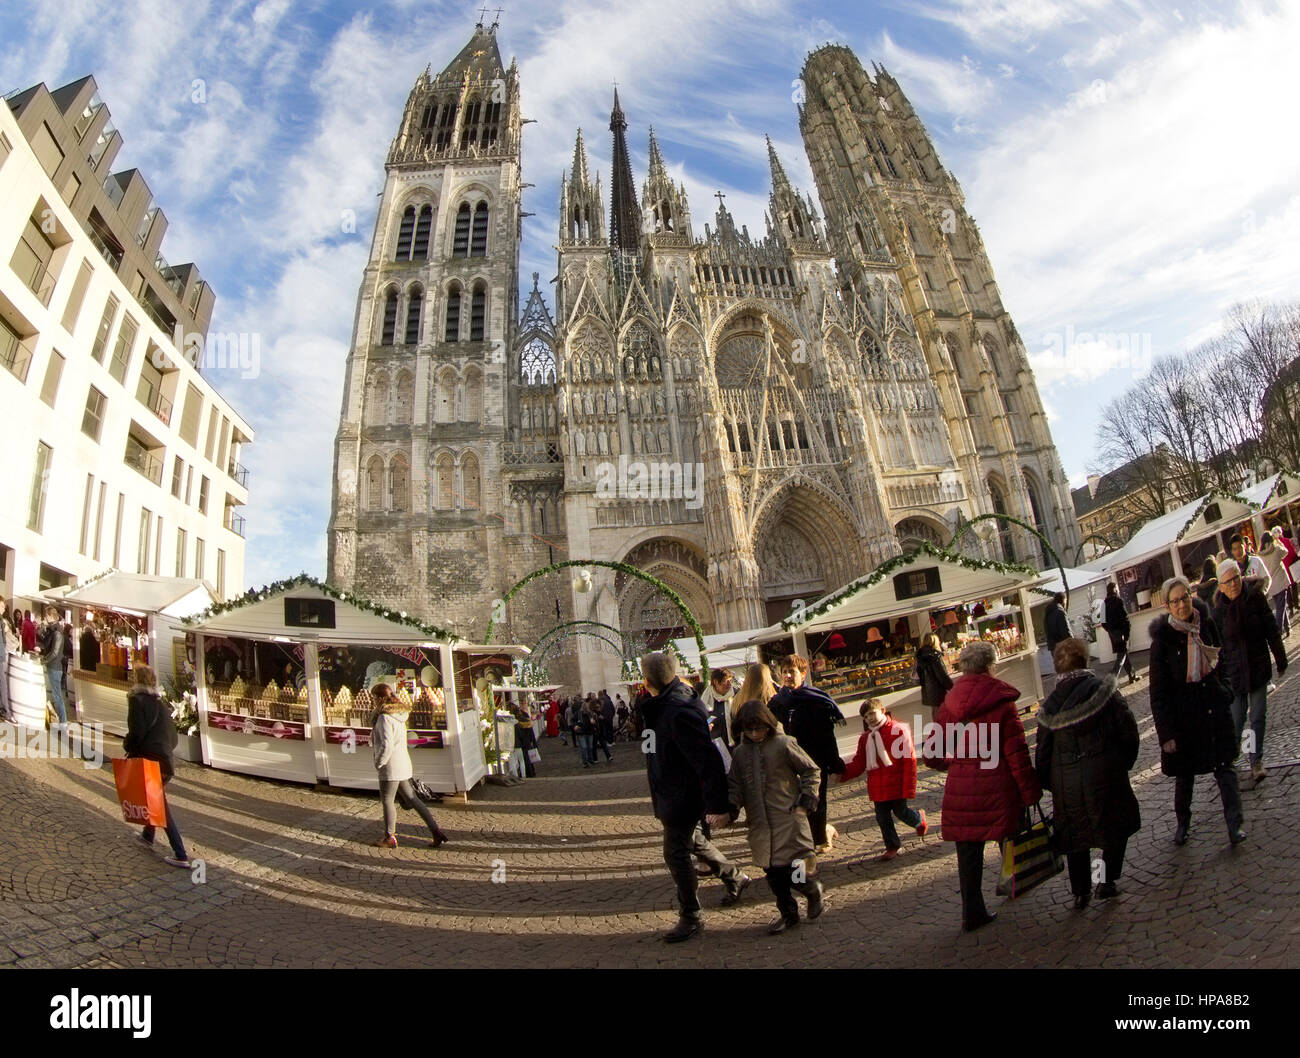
x=140, y=789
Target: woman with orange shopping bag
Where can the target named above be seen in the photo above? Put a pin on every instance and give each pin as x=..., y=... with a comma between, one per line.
x=150, y=734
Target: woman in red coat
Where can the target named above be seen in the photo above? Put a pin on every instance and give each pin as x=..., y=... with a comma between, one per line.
x=886, y=754
x=991, y=779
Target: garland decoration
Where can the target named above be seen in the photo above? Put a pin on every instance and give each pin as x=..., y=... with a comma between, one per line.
x=1028, y=528
x=302, y=580
x=1205, y=502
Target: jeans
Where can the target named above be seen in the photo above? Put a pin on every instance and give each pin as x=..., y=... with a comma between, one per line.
x=54, y=679
x=173, y=831
x=388, y=793
x=1119, y=644
x=5, y=708
x=817, y=818
x=885, y=812
x=1080, y=866
x=586, y=748
x=780, y=879
x=970, y=878
x=1229, y=794
x=1257, y=701
x=682, y=845
x=1279, y=613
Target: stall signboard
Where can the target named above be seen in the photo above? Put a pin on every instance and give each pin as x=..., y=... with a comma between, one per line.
x=347, y=736
x=424, y=739
x=915, y=583
x=286, y=730
x=308, y=613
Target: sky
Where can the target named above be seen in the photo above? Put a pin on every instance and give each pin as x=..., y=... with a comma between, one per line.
x=1132, y=166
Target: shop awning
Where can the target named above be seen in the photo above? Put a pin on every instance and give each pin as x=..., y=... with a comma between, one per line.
x=925, y=578
x=1190, y=522
x=1076, y=578
x=140, y=594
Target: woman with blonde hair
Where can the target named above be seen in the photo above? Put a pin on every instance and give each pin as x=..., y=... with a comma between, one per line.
x=393, y=762
x=757, y=687
x=151, y=735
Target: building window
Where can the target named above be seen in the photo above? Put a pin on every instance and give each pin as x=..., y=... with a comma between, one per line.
x=53, y=372
x=5, y=147
x=180, y=552
x=86, y=502
x=375, y=484
x=478, y=244
x=399, y=484
x=122, y=350
x=414, y=308
x=105, y=329
x=221, y=574
x=189, y=484
x=478, y=312
x=92, y=422
x=178, y=476
x=212, y=434
x=99, y=518
x=72, y=310
x=47, y=150
x=404, y=234
x=200, y=559
x=40, y=486
x=452, y=332
x=191, y=417
x=142, y=547
x=203, y=496
x=33, y=260
x=460, y=239
x=389, y=333
x=423, y=227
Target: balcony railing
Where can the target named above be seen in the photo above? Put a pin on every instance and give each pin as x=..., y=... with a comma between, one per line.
x=111, y=255
x=239, y=472
x=234, y=522
x=165, y=323
x=151, y=397
x=34, y=271
x=138, y=459
x=15, y=355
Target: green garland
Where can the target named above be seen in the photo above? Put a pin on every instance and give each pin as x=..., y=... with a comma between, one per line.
x=892, y=565
x=302, y=580
x=621, y=567
x=1028, y=528
x=556, y=629
x=1210, y=498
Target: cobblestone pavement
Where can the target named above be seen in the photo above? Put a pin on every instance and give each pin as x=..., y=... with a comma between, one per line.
x=292, y=882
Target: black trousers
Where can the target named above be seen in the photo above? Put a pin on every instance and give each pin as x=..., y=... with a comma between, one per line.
x=1119, y=644
x=970, y=877
x=817, y=819
x=682, y=845
x=1080, y=866
x=780, y=879
x=1229, y=794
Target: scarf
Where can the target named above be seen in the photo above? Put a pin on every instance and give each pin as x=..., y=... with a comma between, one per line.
x=877, y=754
x=1201, y=658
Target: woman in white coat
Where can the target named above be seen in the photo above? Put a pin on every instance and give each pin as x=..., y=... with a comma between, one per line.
x=393, y=762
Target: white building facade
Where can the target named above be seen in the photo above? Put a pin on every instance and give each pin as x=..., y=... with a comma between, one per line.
x=119, y=452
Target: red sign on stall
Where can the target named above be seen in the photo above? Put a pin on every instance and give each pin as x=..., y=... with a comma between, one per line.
x=424, y=739
x=254, y=725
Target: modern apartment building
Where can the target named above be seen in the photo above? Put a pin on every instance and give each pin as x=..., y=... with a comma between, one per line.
x=118, y=451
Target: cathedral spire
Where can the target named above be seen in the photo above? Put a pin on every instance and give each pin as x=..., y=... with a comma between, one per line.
x=780, y=182
x=582, y=215
x=624, y=217
x=581, y=174
x=663, y=203
x=657, y=169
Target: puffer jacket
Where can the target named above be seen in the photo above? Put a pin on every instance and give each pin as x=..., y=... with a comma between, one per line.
x=1194, y=716
x=769, y=780
x=985, y=803
x=889, y=761
x=1087, y=743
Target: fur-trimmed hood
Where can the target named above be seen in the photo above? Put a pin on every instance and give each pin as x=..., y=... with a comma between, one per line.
x=1077, y=699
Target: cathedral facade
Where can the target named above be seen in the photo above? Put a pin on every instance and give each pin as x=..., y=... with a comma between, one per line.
x=753, y=419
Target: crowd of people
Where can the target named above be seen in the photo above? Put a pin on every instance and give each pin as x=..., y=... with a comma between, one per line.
x=49, y=641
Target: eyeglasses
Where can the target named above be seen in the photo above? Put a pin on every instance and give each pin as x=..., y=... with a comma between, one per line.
x=1178, y=600
x=1230, y=580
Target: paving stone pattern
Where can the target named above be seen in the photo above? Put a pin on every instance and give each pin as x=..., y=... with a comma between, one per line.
x=292, y=881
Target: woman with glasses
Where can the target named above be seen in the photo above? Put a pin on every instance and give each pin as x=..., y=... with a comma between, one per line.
x=1190, y=706
x=1249, y=632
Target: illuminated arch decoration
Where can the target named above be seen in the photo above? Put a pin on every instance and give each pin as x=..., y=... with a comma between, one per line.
x=1060, y=566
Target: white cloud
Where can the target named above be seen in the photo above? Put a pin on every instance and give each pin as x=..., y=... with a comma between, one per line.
x=932, y=83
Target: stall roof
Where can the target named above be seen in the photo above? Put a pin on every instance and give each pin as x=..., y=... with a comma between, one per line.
x=725, y=649
x=138, y=593
x=1160, y=534
x=1274, y=491
x=260, y=614
x=873, y=597
x=1076, y=578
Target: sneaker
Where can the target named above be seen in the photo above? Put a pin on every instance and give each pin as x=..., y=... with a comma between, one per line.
x=1236, y=837
x=1272, y=687
x=685, y=929
x=781, y=924
x=173, y=861
x=735, y=890
x=388, y=841
x=1258, y=772
x=888, y=854
x=923, y=827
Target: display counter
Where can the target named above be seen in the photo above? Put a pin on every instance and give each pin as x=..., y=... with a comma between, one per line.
x=101, y=699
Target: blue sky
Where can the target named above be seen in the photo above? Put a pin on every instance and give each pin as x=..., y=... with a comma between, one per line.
x=1132, y=166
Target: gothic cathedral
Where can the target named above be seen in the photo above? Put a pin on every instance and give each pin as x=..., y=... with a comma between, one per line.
x=848, y=383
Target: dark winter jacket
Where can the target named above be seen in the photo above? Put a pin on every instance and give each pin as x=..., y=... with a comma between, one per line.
x=90, y=653
x=1056, y=625
x=52, y=639
x=769, y=781
x=933, y=674
x=686, y=775
x=809, y=716
x=1116, y=623
x=150, y=732
x=1249, y=631
x=1194, y=716
x=1087, y=743
x=985, y=803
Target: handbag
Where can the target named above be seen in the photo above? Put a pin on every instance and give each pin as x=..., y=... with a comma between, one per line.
x=1029, y=857
x=425, y=792
x=535, y=756
x=140, y=791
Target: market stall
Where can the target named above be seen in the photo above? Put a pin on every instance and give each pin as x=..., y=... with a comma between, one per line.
x=725, y=650
x=1175, y=544
x=510, y=696
x=1278, y=500
x=1086, y=587
x=285, y=682
x=120, y=620
x=862, y=639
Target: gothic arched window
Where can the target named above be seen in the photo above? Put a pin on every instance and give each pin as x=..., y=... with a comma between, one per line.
x=375, y=484
x=460, y=238
x=445, y=396
x=388, y=332
x=478, y=312
x=376, y=413
x=473, y=411
x=414, y=311
x=404, y=235
x=399, y=483
x=405, y=394
x=469, y=475
x=446, y=474
x=536, y=362
x=478, y=243
x=423, y=226
x=452, y=331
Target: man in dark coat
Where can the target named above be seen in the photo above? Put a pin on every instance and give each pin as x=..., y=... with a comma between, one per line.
x=810, y=716
x=1249, y=632
x=1055, y=624
x=1189, y=704
x=1087, y=744
x=687, y=784
x=1118, y=628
